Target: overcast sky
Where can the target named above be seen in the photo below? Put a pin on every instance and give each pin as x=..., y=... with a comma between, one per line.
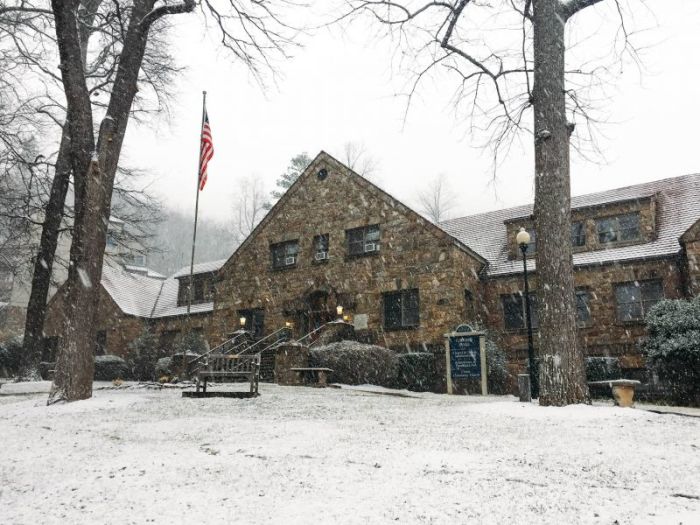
x=341, y=87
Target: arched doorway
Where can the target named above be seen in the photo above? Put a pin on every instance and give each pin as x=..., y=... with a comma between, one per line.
x=317, y=311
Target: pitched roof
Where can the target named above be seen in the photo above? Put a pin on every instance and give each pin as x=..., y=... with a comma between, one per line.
x=147, y=295
x=134, y=294
x=205, y=267
x=325, y=159
x=678, y=208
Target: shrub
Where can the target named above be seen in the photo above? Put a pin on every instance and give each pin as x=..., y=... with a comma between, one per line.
x=10, y=354
x=416, y=371
x=498, y=378
x=143, y=355
x=602, y=368
x=673, y=347
x=164, y=367
x=355, y=363
x=110, y=367
x=191, y=343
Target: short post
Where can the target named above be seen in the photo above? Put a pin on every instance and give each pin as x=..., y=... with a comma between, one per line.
x=524, y=388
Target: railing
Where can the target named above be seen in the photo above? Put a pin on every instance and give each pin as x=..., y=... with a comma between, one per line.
x=218, y=349
x=267, y=337
x=324, y=325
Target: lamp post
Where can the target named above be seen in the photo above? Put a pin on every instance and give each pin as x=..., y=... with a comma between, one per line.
x=523, y=240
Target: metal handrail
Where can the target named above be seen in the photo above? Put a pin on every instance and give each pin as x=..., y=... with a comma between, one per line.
x=263, y=339
x=216, y=348
x=337, y=321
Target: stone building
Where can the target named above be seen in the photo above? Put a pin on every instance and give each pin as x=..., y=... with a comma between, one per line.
x=335, y=241
x=135, y=298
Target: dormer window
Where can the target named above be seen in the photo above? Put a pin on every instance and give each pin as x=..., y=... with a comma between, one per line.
x=363, y=241
x=620, y=228
x=284, y=254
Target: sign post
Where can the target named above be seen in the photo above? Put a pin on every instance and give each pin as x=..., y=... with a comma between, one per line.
x=465, y=356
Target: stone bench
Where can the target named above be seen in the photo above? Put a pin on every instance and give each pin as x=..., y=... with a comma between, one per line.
x=312, y=375
x=622, y=390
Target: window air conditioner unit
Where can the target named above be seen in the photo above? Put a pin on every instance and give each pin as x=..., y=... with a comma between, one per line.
x=321, y=256
x=371, y=247
x=290, y=261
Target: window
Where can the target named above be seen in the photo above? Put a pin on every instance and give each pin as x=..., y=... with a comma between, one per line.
x=583, y=309
x=101, y=343
x=401, y=309
x=514, y=311
x=321, y=247
x=578, y=234
x=363, y=240
x=254, y=321
x=618, y=229
x=636, y=298
x=202, y=289
x=284, y=254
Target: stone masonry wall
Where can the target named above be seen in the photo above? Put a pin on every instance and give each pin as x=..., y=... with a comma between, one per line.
x=604, y=335
x=413, y=254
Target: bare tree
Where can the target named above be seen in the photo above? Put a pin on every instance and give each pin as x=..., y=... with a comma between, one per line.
x=360, y=160
x=509, y=58
x=437, y=200
x=28, y=34
x=249, y=207
x=253, y=31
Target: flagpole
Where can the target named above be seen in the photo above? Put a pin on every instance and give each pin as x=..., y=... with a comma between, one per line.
x=194, y=231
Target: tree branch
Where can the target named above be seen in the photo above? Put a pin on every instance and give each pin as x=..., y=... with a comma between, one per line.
x=570, y=7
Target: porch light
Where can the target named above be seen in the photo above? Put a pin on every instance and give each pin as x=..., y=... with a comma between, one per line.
x=288, y=324
x=242, y=321
x=339, y=311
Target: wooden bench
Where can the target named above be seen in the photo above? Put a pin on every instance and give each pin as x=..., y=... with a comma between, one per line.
x=311, y=375
x=622, y=390
x=222, y=366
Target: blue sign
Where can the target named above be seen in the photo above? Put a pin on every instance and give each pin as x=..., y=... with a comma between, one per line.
x=465, y=356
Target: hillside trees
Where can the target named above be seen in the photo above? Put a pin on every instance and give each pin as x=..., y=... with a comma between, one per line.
x=508, y=59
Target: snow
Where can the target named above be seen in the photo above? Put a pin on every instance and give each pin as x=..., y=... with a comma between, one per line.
x=300, y=455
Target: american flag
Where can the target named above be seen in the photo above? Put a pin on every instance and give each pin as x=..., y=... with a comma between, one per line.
x=206, y=151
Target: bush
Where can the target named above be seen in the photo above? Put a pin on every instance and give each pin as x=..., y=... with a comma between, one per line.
x=498, y=378
x=164, y=367
x=110, y=367
x=355, y=363
x=416, y=371
x=10, y=355
x=602, y=368
x=191, y=343
x=673, y=347
x=143, y=355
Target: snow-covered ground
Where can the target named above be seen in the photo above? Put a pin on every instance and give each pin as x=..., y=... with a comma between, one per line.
x=303, y=455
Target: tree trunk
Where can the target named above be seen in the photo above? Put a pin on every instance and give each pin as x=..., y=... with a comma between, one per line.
x=32, y=346
x=75, y=364
x=562, y=372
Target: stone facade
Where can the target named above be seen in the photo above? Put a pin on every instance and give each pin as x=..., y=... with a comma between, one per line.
x=602, y=334
x=413, y=255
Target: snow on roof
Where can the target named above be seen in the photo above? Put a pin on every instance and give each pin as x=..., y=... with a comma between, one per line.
x=166, y=302
x=144, y=271
x=146, y=295
x=678, y=208
x=205, y=267
x=133, y=293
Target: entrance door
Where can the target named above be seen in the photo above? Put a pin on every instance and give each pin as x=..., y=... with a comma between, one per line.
x=317, y=313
